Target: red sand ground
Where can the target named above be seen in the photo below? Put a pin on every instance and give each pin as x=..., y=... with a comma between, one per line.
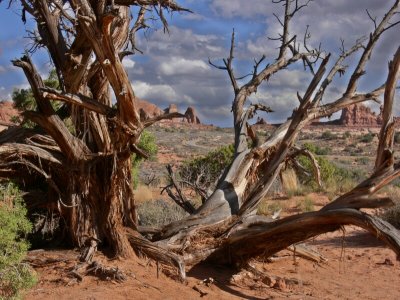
x=362, y=269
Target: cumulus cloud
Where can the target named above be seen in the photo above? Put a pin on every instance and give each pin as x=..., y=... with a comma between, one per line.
x=182, y=66
x=128, y=63
x=161, y=92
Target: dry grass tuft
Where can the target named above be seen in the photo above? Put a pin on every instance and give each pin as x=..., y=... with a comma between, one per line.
x=290, y=183
x=392, y=214
x=143, y=193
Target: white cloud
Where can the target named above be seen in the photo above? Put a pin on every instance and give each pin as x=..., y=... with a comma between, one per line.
x=157, y=91
x=128, y=63
x=182, y=66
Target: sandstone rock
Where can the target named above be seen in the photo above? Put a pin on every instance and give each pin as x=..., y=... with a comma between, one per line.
x=148, y=110
x=191, y=116
x=260, y=121
x=171, y=109
x=359, y=115
x=7, y=113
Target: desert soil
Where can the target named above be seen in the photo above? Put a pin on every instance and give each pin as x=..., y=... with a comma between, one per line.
x=358, y=267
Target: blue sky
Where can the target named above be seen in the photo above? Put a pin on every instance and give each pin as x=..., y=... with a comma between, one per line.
x=175, y=69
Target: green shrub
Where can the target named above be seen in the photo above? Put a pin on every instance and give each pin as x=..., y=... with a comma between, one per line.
x=316, y=149
x=362, y=160
x=306, y=205
x=159, y=212
x=14, y=226
x=210, y=166
x=347, y=135
x=328, y=135
x=148, y=144
x=335, y=179
x=367, y=138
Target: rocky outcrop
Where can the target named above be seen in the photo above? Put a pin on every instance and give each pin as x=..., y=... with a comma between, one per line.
x=7, y=113
x=172, y=108
x=148, y=110
x=191, y=116
x=261, y=121
x=359, y=115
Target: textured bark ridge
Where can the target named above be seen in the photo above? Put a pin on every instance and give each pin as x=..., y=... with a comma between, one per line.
x=87, y=168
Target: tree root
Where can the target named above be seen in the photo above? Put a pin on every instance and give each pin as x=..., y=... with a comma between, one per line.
x=96, y=269
x=145, y=247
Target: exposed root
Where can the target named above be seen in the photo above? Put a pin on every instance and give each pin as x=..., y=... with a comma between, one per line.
x=106, y=273
x=145, y=247
x=96, y=269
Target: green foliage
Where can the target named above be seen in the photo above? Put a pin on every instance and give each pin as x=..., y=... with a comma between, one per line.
x=316, y=149
x=334, y=178
x=148, y=144
x=347, y=135
x=307, y=205
x=362, y=160
x=24, y=100
x=328, y=135
x=14, y=226
x=159, y=212
x=210, y=166
x=367, y=138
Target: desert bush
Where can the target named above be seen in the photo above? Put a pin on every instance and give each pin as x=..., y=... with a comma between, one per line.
x=159, y=212
x=367, y=138
x=207, y=169
x=328, y=135
x=290, y=183
x=268, y=208
x=392, y=214
x=362, y=160
x=15, y=275
x=148, y=144
x=335, y=179
x=347, y=135
x=306, y=205
x=143, y=194
x=316, y=149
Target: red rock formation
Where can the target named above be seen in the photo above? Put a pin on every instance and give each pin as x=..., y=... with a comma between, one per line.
x=171, y=109
x=148, y=110
x=191, y=116
x=7, y=112
x=359, y=115
x=261, y=121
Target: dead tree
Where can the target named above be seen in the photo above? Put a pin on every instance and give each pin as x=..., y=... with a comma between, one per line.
x=88, y=169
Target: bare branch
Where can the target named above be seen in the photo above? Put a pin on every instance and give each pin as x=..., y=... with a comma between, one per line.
x=79, y=100
x=386, y=136
x=179, y=197
x=313, y=160
x=373, y=38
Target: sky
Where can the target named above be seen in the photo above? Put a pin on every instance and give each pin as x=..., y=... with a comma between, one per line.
x=174, y=67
